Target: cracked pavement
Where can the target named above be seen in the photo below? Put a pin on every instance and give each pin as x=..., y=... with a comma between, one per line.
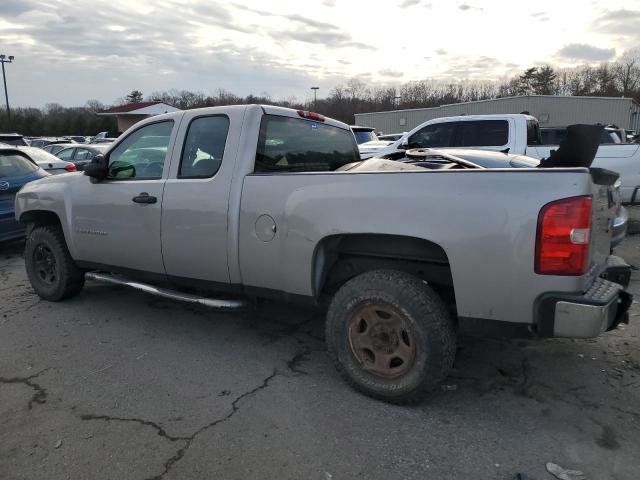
x=114, y=384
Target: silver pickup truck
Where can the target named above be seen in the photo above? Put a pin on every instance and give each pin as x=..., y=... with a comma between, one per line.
x=223, y=205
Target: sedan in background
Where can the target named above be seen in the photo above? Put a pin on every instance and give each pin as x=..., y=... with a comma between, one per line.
x=47, y=161
x=80, y=155
x=16, y=169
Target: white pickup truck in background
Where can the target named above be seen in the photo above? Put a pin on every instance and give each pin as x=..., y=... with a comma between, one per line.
x=513, y=133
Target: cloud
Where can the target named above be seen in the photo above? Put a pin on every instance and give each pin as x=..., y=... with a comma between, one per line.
x=585, y=52
x=466, y=7
x=409, y=3
x=13, y=8
x=390, y=73
x=329, y=3
x=541, y=16
x=441, y=51
x=619, y=22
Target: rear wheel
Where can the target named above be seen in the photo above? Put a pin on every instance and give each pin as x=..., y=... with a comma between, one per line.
x=50, y=268
x=390, y=336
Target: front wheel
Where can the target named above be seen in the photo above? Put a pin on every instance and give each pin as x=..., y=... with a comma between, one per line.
x=390, y=336
x=51, y=270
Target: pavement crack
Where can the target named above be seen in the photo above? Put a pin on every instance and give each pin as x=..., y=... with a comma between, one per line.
x=39, y=393
x=188, y=440
x=159, y=429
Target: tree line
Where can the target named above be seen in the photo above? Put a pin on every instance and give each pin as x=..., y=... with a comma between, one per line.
x=610, y=79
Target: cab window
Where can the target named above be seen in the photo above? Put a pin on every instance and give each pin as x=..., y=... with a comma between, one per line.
x=297, y=145
x=482, y=133
x=204, y=147
x=142, y=154
x=435, y=135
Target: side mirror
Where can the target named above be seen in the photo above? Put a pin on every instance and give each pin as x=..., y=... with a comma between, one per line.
x=404, y=144
x=97, y=169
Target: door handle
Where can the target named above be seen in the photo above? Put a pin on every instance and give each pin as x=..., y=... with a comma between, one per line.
x=144, y=197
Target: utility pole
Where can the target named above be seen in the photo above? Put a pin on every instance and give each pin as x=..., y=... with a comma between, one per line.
x=3, y=60
x=315, y=97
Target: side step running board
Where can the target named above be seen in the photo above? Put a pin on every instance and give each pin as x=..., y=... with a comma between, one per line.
x=219, y=304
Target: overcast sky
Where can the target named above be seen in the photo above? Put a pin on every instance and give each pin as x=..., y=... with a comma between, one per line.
x=69, y=51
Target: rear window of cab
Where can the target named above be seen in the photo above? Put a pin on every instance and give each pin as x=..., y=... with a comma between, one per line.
x=289, y=144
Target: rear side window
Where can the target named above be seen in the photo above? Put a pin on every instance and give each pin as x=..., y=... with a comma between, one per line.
x=204, y=147
x=65, y=154
x=296, y=145
x=483, y=133
x=436, y=135
x=12, y=165
x=83, y=154
x=533, y=133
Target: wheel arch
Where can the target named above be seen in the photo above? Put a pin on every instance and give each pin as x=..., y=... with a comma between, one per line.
x=338, y=258
x=35, y=218
x=40, y=217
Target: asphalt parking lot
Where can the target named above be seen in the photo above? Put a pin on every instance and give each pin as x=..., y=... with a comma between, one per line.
x=114, y=384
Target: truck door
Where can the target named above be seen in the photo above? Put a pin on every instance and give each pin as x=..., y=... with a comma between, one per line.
x=196, y=198
x=116, y=222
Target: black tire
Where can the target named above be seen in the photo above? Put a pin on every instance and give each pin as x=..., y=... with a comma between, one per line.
x=421, y=330
x=51, y=270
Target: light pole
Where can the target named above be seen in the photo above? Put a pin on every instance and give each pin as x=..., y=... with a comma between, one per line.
x=315, y=97
x=3, y=60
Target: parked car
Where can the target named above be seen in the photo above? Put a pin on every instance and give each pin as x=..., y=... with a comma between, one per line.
x=391, y=137
x=262, y=201
x=516, y=133
x=42, y=142
x=364, y=134
x=16, y=170
x=47, y=161
x=54, y=148
x=80, y=155
x=14, y=139
x=491, y=159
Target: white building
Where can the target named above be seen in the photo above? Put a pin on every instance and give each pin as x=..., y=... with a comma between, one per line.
x=131, y=113
x=550, y=110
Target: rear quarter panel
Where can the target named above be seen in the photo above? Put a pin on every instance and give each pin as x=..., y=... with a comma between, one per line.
x=485, y=220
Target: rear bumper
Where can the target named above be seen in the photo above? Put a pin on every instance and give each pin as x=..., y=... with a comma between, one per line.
x=588, y=314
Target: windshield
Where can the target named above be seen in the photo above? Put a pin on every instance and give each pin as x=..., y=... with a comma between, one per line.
x=15, y=165
x=364, y=136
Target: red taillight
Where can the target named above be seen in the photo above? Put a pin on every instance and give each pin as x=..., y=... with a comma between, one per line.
x=71, y=168
x=311, y=115
x=562, y=242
